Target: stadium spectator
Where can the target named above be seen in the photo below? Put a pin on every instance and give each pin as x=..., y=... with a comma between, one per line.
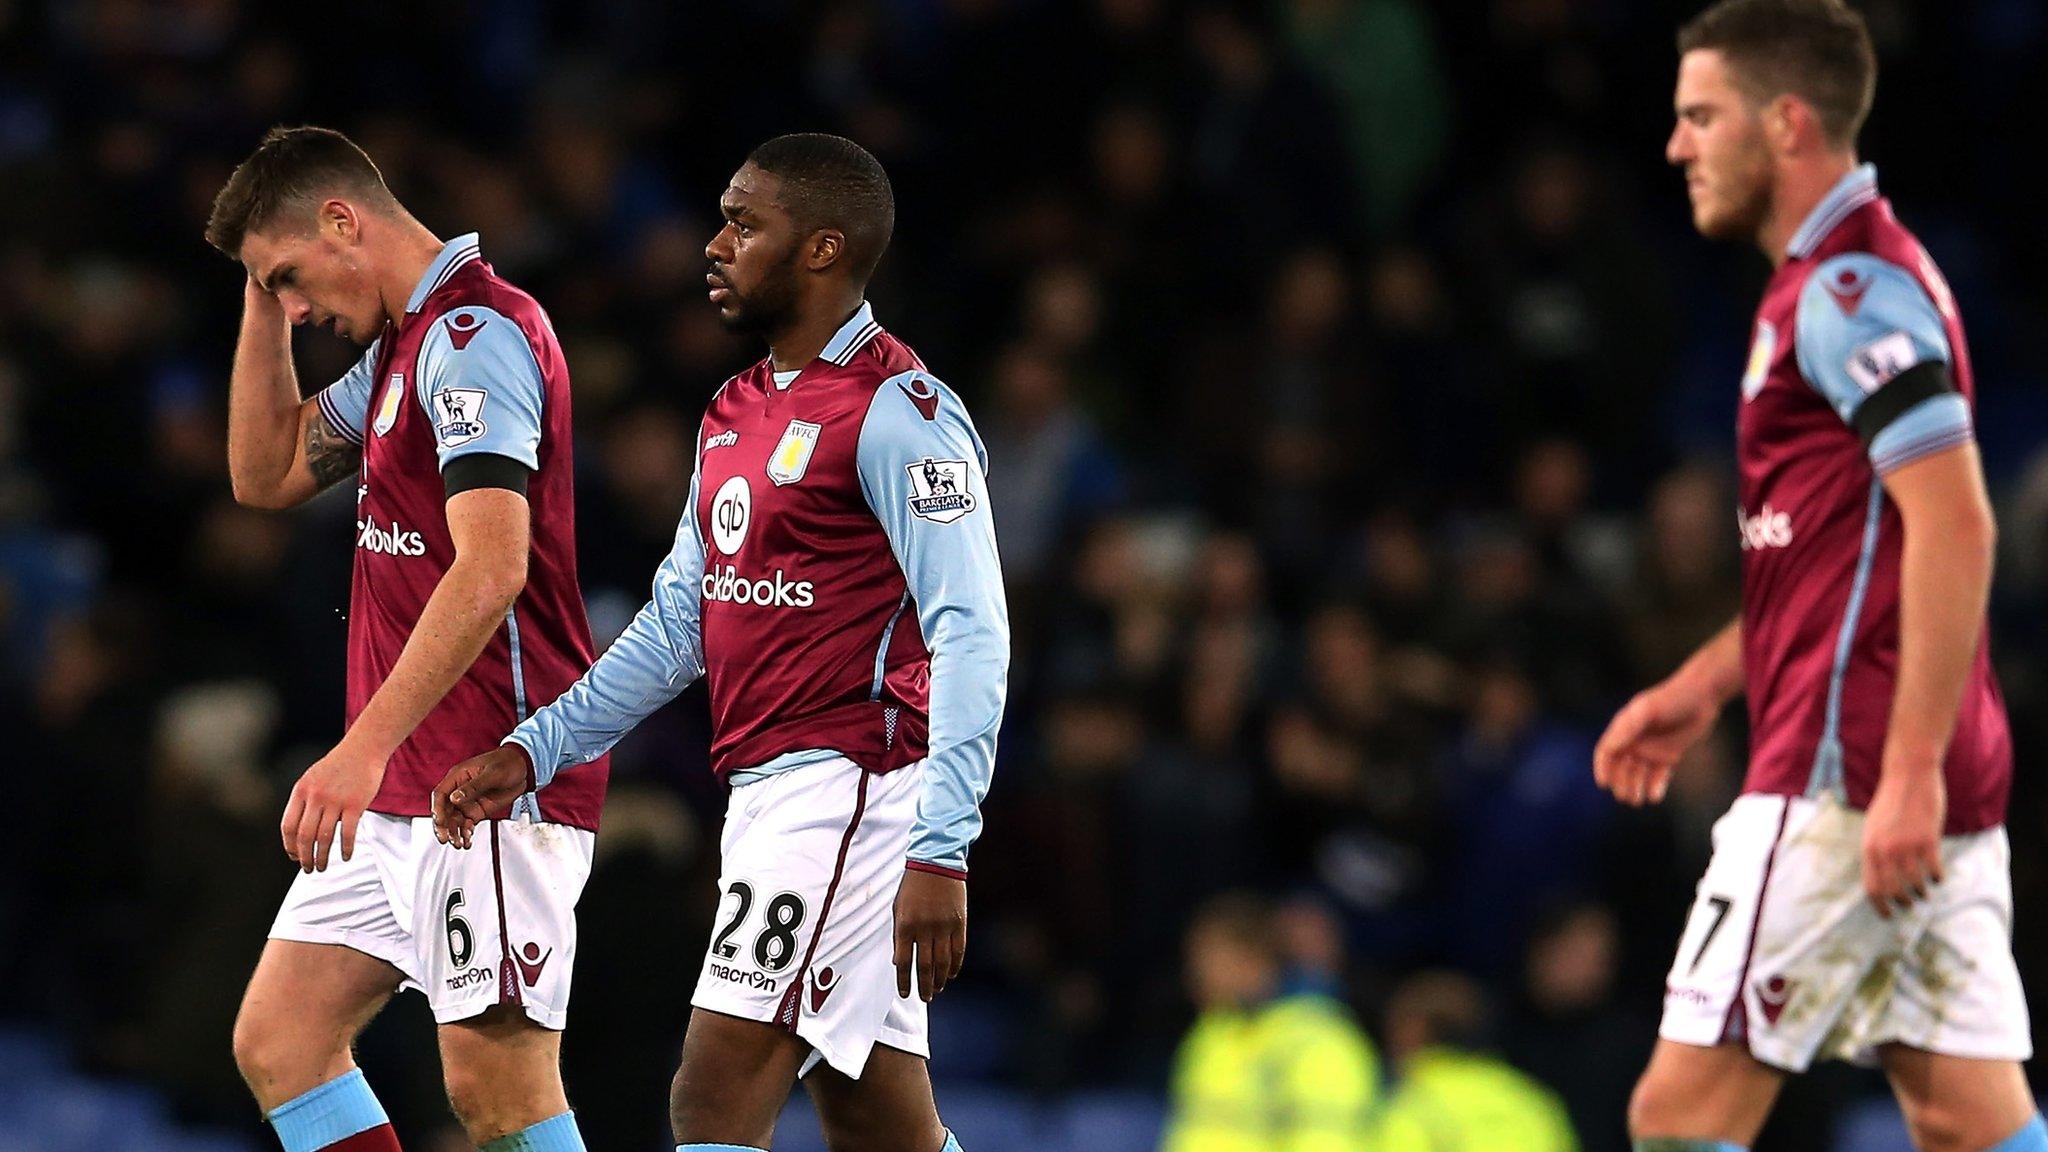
x=1266, y=1068
x=1449, y=1091
x=1567, y=1029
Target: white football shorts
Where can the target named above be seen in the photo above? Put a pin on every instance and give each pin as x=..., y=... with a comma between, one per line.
x=491, y=924
x=1784, y=950
x=811, y=860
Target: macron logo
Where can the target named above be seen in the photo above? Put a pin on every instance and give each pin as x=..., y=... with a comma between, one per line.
x=463, y=327
x=823, y=981
x=1772, y=995
x=1848, y=290
x=531, y=961
x=924, y=396
x=725, y=439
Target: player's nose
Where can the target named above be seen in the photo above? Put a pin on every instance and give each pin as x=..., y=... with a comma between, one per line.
x=1678, y=149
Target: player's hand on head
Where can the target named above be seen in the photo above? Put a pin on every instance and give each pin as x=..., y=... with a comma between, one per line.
x=256, y=299
x=1902, y=837
x=329, y=799
x=1646, y=740
x=478, y=789
x=931, y=932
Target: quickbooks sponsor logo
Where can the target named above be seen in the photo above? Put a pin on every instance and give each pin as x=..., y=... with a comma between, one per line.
x=725, y=585
x=1769, y=528
x=392, y=541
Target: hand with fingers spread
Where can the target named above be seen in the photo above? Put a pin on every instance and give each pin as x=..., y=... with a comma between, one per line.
x=931, y=931
x=332, y=794
x=1902, y=836
x=1648, y=737
x=478, y=789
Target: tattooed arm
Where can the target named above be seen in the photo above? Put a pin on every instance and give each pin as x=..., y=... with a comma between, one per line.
x=284, y=450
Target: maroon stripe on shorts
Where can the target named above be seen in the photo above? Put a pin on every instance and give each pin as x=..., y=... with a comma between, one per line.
x=786, y=1012
x=1735, y=1007
x=508, y=973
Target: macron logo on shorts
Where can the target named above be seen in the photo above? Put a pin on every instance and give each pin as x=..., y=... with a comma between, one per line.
x=823, y=981
x=531, y=961
x=1772, y=995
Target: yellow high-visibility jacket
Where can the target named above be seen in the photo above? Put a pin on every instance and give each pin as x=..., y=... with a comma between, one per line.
x=1448, y=1100
x=1296, y=1074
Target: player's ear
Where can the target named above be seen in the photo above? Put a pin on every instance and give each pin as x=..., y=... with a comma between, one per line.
x=1790, y=125
x=339, y=217
x=828, y=247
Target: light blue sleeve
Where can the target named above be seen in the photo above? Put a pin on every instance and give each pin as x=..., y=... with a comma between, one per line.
x=1862, y=322
x=481, y=386
x=346, y=402
x=924, y=473
x=658, y=655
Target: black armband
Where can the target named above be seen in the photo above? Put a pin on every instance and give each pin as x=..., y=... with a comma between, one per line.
x=484, y=470
x=1923, y=381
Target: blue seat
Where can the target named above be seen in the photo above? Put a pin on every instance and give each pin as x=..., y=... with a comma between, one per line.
x=797, y=1129
x=986, y=1119
x=46, y=1107
x=1875, y=1125
x=25, y=1055
x=970, y=1038
x=1111, y=1122
x=69, y=1114
x=993, y=1119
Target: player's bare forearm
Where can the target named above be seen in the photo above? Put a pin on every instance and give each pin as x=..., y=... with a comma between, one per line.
x=1651, y=734
x=281, y=450
x=263, y=399
x=1944, y=588
x=491, y=529
x=1714, y=670
x=1944, y=585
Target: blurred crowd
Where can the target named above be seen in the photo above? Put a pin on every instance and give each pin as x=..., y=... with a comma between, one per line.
x=1358, y=402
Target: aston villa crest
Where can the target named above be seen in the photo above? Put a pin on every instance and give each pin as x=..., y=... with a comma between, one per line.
x=793, y=452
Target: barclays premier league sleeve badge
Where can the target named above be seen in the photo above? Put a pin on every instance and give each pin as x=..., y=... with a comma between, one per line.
x=938, y=490
x=458, y=415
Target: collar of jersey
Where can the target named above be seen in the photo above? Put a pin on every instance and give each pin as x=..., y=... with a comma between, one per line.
x=851, y=338
x=852, y=335
x=1852, y=191
x=454, y=254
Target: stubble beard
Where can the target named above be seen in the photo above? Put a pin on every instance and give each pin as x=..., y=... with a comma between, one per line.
x=769, y=306
x=1745, y=219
